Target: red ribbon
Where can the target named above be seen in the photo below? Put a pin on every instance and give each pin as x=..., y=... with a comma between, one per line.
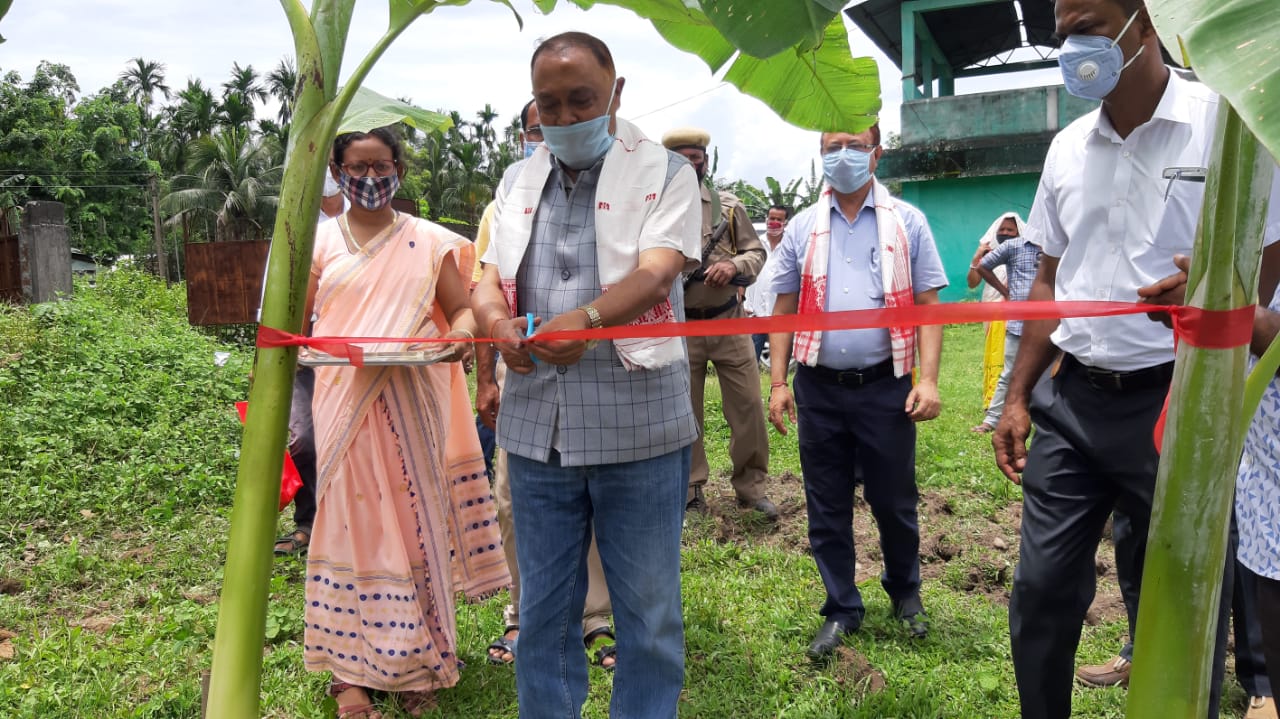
x=1206, y=329
x=1209, y=329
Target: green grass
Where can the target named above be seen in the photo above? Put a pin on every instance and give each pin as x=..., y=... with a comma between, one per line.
x=118, y=457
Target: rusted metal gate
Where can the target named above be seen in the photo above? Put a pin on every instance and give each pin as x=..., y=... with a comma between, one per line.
x=10, y=270
x=224, y=281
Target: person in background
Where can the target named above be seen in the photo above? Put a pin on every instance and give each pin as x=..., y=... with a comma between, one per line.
x=858, y=248
x=404, y=517
x=1019, y=260
x=731, y=258
x=302, y=440
x=759, y=297
x=993, y=349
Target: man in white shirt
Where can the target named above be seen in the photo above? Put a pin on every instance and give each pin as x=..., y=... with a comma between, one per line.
x=1106, y=228
x=758, y=298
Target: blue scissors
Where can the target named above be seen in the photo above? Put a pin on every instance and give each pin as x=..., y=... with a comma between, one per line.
x=528, y=332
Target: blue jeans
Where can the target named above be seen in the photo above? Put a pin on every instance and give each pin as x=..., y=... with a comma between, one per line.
x=637, y=509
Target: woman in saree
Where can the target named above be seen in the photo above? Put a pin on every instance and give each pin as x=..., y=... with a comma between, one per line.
x=404, y=516
x=1006, y=226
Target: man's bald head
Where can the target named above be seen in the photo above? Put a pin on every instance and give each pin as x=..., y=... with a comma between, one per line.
x=576, y=40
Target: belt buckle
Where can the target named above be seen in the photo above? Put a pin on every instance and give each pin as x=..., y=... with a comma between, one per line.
x=849, y=377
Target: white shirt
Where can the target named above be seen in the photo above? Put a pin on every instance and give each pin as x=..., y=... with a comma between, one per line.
x=1101, y=209
x=760, y=296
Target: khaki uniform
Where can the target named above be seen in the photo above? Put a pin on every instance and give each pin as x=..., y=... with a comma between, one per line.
x=733, y=356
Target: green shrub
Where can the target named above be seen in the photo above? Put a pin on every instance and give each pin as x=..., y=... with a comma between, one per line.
x=113, y=404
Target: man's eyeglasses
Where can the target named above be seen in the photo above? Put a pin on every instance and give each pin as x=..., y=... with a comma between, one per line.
x=381, y=168
x=835, y=147
x=534, y=133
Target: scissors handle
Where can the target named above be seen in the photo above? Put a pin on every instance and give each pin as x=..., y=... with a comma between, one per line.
x=528, y=331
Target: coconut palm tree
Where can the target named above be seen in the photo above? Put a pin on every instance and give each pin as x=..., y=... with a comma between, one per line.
x=230, y=179
x=144, y=79
x=282, y=84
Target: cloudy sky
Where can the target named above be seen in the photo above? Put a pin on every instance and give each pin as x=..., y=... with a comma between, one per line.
x=458, y=58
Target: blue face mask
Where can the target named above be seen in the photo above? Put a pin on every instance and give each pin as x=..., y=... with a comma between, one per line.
x=529, y=147
x=1091, y=64
x=847, y=170
x=579, y=145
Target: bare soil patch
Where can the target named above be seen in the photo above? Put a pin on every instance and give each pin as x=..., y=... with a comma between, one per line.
x=972, y=553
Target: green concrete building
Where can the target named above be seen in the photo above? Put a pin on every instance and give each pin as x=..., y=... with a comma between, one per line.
x=965, y=159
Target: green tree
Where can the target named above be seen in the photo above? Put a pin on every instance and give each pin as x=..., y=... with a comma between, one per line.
x=230, y=180
x=85, y=154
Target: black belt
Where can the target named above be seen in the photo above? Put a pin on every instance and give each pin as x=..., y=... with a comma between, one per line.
x=696, y=313
x=851, y=377
x=1104, y=379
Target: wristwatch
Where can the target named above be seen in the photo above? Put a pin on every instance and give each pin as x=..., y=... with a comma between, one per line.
x=595, y=320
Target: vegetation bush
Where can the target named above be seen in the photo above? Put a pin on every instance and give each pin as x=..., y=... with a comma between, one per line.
x=112, y=403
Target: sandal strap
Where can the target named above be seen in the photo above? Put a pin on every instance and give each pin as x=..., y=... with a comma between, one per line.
x=337, y=687
x=354, y=710
x=590, y=637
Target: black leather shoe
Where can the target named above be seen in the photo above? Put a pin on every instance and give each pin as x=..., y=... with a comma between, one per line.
x=763, y=506
x=911, y=613
x=697, y=503
x=829, y=638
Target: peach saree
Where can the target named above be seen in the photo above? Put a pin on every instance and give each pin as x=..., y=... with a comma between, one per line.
x=404, y=517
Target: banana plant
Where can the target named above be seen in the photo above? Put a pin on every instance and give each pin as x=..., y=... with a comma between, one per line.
x=771, y=40
x=1232, y=46
x=319, y=43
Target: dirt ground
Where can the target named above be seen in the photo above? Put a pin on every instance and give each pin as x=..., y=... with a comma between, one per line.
x=971, y=553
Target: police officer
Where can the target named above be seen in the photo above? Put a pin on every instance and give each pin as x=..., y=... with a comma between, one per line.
x=732, y=256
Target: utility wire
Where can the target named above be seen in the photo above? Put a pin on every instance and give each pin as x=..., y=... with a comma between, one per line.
x=713, y=88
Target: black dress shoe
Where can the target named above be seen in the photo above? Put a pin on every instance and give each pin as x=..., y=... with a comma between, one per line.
x=911, y=613
x=698, y=503
x=829, y=638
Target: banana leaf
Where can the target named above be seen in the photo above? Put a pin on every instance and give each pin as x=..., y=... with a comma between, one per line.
x=4, y=8
x=1234, y=47
x=368, y=110
x=812, y=82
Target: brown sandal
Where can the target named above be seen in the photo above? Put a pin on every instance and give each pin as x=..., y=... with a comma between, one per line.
x=294, y=543
x=416, y=704
x=352, y=711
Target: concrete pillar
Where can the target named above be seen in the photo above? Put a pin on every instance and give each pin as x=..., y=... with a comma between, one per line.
x=44, y=252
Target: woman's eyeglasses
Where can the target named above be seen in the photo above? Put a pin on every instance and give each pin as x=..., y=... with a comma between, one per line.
x=381, y=168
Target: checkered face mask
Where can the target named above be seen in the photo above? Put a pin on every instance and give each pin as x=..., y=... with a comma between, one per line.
x=371, y=193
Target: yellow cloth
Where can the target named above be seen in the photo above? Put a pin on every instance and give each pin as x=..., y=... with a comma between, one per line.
x=992, y=360
x=482, y=241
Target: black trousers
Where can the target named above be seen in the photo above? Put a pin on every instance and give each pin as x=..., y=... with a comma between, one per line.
x=302, y=446
x=863, y=432
x=1092, y=453
x=1268, y=596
